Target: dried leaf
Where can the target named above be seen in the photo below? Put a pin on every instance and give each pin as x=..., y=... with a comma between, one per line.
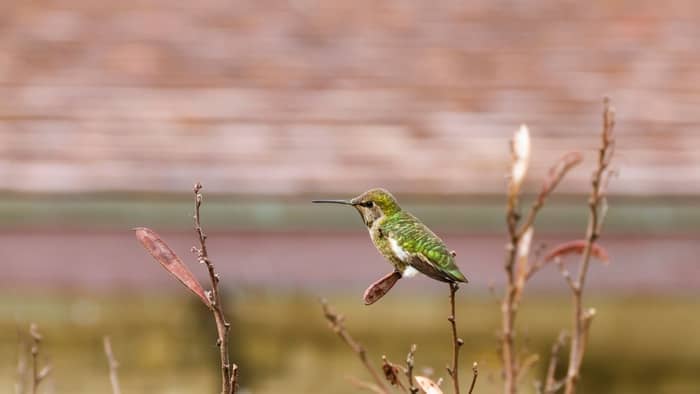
x=391, y=372
x=577, y=247
x=379, y=288
x=427, y=385
x=162, y=253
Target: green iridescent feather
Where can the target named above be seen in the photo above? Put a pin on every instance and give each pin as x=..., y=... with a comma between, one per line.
x=417, y=239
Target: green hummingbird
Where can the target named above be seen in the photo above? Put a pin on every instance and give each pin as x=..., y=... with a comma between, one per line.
x=403, y=240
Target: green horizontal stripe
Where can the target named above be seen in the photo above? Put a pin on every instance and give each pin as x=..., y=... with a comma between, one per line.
x=656, y=216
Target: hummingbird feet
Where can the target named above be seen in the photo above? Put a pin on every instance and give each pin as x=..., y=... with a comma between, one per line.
x=378, y=289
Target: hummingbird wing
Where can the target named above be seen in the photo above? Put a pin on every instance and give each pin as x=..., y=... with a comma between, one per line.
x=421, y=248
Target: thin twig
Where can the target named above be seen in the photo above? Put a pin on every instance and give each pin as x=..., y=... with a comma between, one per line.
x=531, y=360
x=587, y=320
x=229, y=372
x=113, y=365
x=21, y=376
x=566, y=275
x=520, y=147
x=410, y=361
x=509, y=305
x=595, y=202
x=520, y=153
x=475, y=374
x=37, y=375
x=555, y=175
x=457, y=343
x=392, y=373
x=550, y=379
x=336, y=323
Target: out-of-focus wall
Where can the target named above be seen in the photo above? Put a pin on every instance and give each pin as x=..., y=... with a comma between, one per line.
x=300, y=96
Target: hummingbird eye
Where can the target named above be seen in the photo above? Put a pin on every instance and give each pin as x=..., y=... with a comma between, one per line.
x=369, y=204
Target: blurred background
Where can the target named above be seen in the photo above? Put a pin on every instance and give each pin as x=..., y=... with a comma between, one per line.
x=111, y=111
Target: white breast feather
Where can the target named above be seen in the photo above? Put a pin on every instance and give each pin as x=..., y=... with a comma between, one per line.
x=409, y=272
x=404, y=256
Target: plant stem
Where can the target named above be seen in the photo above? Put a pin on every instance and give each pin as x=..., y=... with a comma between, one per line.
x=113, y=365
x=581, y=322
x=456, y=342
x=335, y=321
x=229, y=372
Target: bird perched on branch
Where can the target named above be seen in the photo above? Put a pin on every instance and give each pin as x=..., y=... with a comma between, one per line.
x=403, y=240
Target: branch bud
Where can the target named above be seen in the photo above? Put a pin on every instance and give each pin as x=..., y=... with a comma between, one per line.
x=520, y=147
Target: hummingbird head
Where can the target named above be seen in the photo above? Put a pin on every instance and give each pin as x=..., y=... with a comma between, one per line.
x=372, y=204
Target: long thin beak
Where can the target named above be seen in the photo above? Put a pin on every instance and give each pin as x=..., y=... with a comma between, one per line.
x=343, y=202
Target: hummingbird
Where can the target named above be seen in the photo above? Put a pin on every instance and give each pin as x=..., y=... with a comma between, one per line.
x=409, y=245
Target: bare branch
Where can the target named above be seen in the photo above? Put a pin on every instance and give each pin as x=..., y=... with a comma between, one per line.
x=336, y=323
x=520, y=157
x=550, y=382
x=229, y=371
x=597, y=207
x=457, y=343
x=410, y=359
x=556, y=173
x=475, y=374
x=587, y=320
x=567, y=276
x=37, y=375
x=527, y=364
x=113, y=365
x=517, y=236
x=162, y=253
x=392, y=373
x=21, y=374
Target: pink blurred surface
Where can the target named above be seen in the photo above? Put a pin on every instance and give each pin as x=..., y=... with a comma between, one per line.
x=318, y=262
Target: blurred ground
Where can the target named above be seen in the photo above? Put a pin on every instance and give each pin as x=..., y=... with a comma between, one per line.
x=166, y=343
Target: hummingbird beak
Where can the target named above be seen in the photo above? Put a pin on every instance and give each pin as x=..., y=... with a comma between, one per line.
x=343, y=202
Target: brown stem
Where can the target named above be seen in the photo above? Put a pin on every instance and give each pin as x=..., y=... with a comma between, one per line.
x=475, y=374
x=526, y=364
x=37, y=375
x=457, y=343
x=391, y=373
x=556, y=173
x=410, y=358
x=516, y=280
x=229, y=372
x=21, y=373
x=509, y=310
x=550, y=380
x=596, y=200
x=113, y=365
x=509, y=303
x=336, y=323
